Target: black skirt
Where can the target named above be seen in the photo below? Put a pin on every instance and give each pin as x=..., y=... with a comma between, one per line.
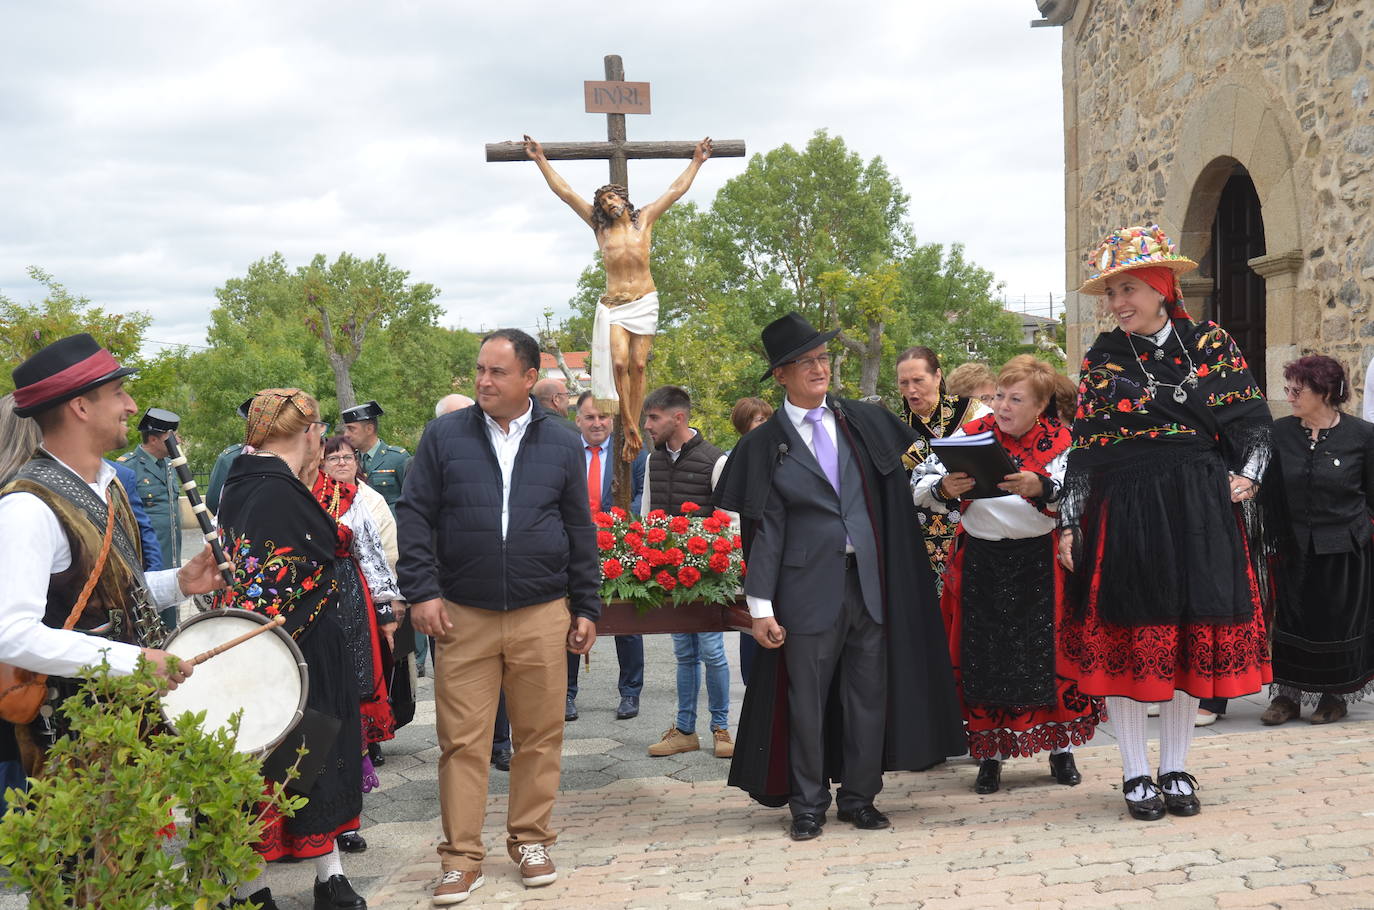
x=1324, y=644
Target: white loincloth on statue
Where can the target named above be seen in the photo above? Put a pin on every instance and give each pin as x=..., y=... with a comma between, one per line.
x=638, y=317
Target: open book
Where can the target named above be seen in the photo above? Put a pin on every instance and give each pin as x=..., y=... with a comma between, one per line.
x=980, y=456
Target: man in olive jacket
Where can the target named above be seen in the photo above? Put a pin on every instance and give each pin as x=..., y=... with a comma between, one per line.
x=499, y=563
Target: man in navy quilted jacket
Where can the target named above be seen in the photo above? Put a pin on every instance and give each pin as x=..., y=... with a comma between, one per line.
x=499, y=564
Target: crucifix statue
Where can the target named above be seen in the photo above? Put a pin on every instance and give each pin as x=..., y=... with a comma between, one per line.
x=627, y=316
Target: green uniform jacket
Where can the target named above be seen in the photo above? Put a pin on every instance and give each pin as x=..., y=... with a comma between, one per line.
x=218, y=473
x=385, y=467
x=160, y=494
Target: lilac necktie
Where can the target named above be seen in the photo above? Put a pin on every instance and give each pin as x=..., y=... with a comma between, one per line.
x=824, y=447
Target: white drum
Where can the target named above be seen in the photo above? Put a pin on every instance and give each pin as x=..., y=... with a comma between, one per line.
x=265, y=677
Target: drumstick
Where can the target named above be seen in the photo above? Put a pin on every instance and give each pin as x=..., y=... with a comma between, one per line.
x=220, y=649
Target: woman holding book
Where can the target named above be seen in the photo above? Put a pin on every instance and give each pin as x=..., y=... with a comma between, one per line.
x=933, y=413
x=1171, y=438
x=1003, y=599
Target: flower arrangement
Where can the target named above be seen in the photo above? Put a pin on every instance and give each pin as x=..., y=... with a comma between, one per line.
x=662, y=560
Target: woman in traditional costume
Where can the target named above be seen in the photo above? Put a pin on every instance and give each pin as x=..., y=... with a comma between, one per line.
x=933, y=413
x=285, y=550
x=1324, y=644
x=1171, y=434
x=365, y=598
x=1003, y=600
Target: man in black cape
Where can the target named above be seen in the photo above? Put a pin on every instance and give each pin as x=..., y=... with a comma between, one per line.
x=853, y=677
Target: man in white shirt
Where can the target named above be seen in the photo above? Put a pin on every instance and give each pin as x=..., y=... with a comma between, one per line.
x=53, y=516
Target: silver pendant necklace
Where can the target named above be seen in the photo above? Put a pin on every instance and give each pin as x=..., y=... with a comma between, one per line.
x=1152, y=384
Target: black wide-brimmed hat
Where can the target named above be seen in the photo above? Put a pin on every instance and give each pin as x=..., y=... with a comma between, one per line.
x=369, y=411
x=156, y=420
x=787, y=338
x=61, y=371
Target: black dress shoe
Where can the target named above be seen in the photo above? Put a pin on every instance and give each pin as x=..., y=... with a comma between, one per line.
x=1179, y=803
x=374, y=754
x=351, y=842
x=500, y=759
x=1064, y=771
x=806, y=826
x=989, y=776
x=570, y=709
x=866, y=817
x=1149, y=809
x=262, y=897
x=629, y=707
x=337, y=894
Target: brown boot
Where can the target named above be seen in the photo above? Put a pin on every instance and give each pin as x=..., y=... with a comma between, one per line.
x=1280, y=711
x=725, y=746
x=1329, y=710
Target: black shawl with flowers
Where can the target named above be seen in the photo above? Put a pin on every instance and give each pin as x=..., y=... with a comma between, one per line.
x=1154, y=469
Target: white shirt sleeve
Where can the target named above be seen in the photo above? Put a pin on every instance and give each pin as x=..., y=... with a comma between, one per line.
x=1369, y=393
x=34, y=548
x=163, y=588
x=759, y=607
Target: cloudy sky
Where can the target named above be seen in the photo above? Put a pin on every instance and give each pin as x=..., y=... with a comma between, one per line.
x=149, y=151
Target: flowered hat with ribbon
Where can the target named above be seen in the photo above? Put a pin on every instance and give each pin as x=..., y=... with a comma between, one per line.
x=1133, y=248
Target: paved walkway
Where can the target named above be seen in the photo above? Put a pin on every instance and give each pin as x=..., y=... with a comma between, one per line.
x=1288, y=820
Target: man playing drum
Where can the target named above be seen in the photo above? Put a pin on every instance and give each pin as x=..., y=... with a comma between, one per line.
x=55, y=517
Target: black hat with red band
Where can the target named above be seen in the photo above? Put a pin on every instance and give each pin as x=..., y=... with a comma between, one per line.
x=61, y=371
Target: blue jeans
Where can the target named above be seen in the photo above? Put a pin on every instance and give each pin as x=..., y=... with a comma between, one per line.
x=692, y=650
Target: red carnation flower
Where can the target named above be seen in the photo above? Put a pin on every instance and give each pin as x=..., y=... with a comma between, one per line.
x=736, y=542
x=605, y=540
x=612, y=568
x=743, y=569
x=619, y=513
x=633, y=540
x=719, y=563
x=722, y=545
x=674, y=556
x=657, y=515
x=688, y=576
x=679, y=524
x=655, y=557
x=697, y=544
x=711, y=526
x=643, y=570
x=637, y=527
x=690, y=507
x=665, y=580
x=656, y=535
x=720, y=516
x=602, y=520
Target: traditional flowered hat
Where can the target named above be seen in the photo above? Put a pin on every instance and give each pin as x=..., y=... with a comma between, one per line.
x=1133, y=248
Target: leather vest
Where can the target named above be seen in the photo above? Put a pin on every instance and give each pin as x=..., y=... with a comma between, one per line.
x=671, y=483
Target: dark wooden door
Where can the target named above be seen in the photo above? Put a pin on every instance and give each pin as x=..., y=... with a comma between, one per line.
x=1238, y=297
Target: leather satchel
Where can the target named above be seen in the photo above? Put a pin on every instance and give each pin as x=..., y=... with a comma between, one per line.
x=22, y=692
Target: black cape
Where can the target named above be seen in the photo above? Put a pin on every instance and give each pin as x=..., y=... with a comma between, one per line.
x=924, y=723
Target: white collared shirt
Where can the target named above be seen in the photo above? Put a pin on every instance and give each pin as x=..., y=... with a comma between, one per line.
x=506, y=443
x=35, y=548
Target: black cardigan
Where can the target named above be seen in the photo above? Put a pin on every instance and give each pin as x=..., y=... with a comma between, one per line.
x=1330, y=486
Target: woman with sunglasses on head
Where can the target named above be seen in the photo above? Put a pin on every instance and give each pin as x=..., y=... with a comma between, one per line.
x=286, y=554
x=1324, y=637
x=1171, y=437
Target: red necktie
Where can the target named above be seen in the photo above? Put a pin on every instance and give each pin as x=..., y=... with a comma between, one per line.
x=594, y=479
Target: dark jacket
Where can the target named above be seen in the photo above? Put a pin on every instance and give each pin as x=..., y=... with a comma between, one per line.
x=671, y=483
x=1330, y=486
x=448, y=519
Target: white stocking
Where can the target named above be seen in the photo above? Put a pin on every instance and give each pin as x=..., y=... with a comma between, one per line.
x=329, y=864
x=245, y=890
x=1176, y=720
x=1128, y=717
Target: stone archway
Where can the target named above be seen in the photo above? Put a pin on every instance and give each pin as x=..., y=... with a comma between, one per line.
x=1232, y=125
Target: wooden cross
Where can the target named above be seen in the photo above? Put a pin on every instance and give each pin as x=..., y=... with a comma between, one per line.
x=618, y=98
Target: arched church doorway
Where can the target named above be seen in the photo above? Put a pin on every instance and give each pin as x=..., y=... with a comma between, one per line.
x=1237, y=298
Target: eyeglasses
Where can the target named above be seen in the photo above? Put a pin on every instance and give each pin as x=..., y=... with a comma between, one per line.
x=338, y=459
x=806, y=363
x=1293, y=391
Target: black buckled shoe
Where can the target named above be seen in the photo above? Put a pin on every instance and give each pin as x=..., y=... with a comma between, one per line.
x=806, y=826
x=262, y=897
x=337, y=894
x=1149, y=809
x=1180, y=803
x=1064, y=770
x=989, y=776
x=351, y=842
x=865, y=817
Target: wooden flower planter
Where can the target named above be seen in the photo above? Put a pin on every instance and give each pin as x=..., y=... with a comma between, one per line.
x=619, y=617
